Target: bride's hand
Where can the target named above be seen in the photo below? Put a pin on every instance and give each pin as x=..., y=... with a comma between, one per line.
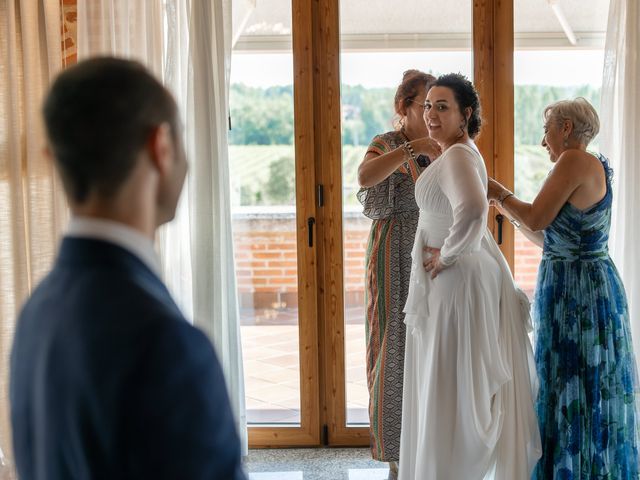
x=432, y=264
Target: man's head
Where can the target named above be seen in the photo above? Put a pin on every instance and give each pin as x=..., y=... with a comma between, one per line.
x=104, y=116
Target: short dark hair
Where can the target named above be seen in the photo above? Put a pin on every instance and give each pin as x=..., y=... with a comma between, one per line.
x=98, y=115
x=466, y=96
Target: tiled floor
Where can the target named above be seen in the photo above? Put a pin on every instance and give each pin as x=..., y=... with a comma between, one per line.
x=272, y=375
x=315, y=464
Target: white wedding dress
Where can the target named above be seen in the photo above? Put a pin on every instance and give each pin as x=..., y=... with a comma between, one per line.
x=469, y=375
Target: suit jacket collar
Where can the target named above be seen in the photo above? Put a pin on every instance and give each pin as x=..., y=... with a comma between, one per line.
x=118, y=233
x=99, y=254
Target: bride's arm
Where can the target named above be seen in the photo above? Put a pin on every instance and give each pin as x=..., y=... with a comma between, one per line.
x=463, y=186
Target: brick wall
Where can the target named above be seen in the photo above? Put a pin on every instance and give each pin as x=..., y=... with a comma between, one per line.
x=266, y=259
x=527, y=259
x=356, y=236
x=69, y=32
x=265, y=253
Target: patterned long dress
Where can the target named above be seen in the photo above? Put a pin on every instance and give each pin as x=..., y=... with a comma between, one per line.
x=392, y=207
x=588, y=398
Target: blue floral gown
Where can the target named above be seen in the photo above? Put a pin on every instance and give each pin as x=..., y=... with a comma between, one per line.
x=588, y=398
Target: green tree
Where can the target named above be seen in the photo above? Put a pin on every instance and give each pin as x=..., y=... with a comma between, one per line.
x=377, y=112
x=280, y=186
x=261, y=116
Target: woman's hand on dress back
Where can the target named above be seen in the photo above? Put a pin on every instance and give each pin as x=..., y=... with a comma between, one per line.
x=426, y=146
x=432, y=264
x=494, y=190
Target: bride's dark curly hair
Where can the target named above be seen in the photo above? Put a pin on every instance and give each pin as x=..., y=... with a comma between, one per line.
x=466, y=96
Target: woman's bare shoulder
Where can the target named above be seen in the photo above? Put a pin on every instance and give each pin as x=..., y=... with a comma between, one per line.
x=577, y=162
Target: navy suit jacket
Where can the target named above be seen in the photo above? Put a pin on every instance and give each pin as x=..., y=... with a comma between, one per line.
x=108, y=380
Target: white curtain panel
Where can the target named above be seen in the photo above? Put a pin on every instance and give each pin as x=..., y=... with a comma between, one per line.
x=33, y=212
x=188, y=45
x=126, y=28
x=620, y=142
x=214, y=280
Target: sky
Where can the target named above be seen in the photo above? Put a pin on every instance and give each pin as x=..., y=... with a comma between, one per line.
x=384, y=69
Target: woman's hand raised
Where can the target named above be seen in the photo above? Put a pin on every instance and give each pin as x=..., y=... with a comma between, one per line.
x=426, y=146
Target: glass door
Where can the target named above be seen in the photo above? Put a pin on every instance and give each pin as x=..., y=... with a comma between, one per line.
x=274, y=253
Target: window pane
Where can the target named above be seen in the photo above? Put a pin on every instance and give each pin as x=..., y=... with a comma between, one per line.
x=262, y=169
x=548, y=68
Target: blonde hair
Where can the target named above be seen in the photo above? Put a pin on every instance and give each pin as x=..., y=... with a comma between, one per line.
x=581, y=113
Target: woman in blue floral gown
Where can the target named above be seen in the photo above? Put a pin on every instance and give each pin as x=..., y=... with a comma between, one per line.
x=587, y=405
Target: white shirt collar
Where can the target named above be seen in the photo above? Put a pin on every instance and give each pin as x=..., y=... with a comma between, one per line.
x=118, y=234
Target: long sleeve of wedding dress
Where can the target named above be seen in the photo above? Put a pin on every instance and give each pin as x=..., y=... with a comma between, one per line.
x=462, y=184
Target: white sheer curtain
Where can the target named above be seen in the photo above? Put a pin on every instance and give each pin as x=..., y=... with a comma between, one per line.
x=188, y=45
x=620, y=141
x=33, y=211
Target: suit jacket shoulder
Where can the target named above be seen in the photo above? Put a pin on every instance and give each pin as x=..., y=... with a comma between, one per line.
x=108, y=380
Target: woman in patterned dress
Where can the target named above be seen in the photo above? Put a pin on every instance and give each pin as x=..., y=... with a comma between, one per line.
x=387, y=175
x=588, y=398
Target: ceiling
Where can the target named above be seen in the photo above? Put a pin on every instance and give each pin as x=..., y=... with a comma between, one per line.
x=365, y=22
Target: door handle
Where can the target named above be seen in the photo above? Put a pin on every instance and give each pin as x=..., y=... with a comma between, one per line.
x=500, y=220
x=310, y=223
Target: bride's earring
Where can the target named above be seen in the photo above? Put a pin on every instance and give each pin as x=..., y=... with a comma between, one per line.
x=462, y=125
x=565, y=143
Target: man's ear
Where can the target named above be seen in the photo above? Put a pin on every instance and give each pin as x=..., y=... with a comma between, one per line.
x=467, y=113
x=160, y=148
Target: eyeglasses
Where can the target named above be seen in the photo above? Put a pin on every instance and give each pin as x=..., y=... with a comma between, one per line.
x=423, y=105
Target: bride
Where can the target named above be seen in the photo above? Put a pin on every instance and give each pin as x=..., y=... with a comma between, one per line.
x=469, y=377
